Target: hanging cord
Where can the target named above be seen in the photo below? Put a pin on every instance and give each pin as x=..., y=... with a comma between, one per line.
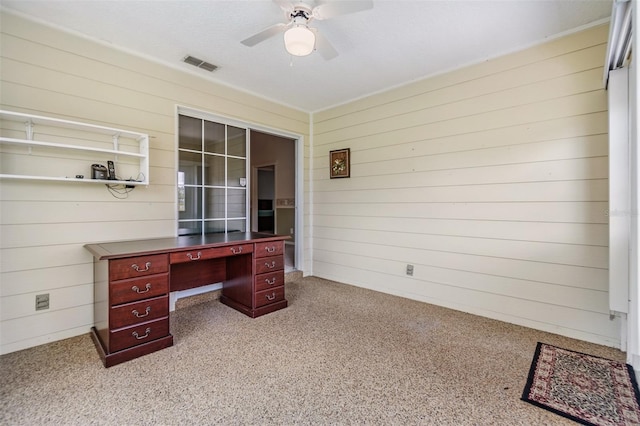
x=121, y=190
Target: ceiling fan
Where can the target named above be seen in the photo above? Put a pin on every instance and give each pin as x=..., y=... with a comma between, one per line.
x=299, y=38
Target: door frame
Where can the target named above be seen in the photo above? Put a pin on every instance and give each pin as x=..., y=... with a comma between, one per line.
x=299, y=143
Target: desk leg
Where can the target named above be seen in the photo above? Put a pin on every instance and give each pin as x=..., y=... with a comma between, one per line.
x=237, y=290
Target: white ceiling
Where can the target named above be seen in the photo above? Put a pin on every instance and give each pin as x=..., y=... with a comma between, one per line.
x=394, y=43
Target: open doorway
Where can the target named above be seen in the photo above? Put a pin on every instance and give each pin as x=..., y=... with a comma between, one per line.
x=273, y=188
x=265, y=186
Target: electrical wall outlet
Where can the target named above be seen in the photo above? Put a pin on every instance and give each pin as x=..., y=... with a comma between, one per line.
x=42, y=302
x=410, y=270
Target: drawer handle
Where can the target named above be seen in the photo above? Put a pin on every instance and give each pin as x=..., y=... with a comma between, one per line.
x=272, y=297
x=271, y=281
x=137, y=289
x=270, y=265
x=137, y=314
x=270, y=249
x=190, y=256
x=147, y=332
x=236, y=250
x=137, y=268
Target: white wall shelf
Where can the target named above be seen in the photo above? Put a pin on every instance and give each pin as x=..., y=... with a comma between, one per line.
x=100, y=143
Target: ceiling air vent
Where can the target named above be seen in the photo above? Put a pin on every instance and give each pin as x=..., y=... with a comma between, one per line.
x=199, y=63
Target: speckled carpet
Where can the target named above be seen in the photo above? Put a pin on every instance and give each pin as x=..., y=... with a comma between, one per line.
x=338, y=355
x=590, y=390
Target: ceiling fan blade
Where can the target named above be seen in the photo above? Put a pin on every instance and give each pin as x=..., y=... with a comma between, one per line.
x=285, y=5
x=324, y=47
x=264, y=34
x=337, y=8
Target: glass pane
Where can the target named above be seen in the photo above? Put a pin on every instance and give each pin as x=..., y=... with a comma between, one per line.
x=236, y=141
x=189, y=133
x=193, y=204
x=214, y=137
x=237, y=170
x=236, y=203
x=190, y=163
x=214, y=170
x=211, y=167
x=236, y=225
x=190, y=228
x=214, y=226
x=214, y=208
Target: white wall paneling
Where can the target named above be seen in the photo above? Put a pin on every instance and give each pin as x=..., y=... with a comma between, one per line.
x=44, y=225
x=491, y=180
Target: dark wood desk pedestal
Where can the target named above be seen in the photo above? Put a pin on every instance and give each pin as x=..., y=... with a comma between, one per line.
x=132, y=281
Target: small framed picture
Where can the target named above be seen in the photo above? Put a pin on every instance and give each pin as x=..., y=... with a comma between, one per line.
x=340, y=163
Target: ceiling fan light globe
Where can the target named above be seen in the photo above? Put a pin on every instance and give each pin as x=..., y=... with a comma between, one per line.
x=299, y=41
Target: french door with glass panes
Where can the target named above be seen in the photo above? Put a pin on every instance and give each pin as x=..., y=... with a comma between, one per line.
x=212, y=171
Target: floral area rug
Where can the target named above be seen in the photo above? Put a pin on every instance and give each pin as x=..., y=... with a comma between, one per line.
x=588, y=389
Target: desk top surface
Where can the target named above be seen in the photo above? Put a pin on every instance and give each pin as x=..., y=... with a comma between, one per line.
x=119, y=249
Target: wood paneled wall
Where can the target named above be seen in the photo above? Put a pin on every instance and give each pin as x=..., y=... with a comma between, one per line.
x=44, y=225
x=491, y=180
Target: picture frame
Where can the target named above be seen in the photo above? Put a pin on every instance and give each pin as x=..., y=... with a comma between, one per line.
x=340, y=163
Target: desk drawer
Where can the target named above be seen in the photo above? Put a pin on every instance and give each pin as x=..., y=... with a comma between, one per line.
x=269, y=264
x=132, y=267
x=267, y=281
x=273, y=248
x=210, y=253
x=142, y=333
x=136, y=312
x=269, y=296
x=138, y=289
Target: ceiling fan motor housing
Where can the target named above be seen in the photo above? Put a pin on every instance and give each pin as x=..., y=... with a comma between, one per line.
x=299, y=12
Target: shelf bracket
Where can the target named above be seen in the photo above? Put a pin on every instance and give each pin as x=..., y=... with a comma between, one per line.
x=29, y=131
x=116, y=142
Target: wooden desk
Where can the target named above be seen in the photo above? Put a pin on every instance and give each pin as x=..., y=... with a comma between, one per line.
x=132, y=281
